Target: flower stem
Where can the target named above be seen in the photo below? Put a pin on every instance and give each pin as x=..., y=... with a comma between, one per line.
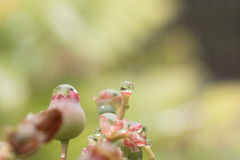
x=117, y=137
x=149, y=152
x=125, y=99
x=122, y=112
x=64, y=144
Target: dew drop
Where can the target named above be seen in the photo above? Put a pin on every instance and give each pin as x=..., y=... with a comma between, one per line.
x=144, y=132
x=106, y=109
x=149, y=143
x=110, y=117
x=112, y=92
x=64, y=89
x=126, y=127
x=126, y=106
x=62, y=155
x=94, y=138
x=97, y=132
x=139, y=131
x=126, y=87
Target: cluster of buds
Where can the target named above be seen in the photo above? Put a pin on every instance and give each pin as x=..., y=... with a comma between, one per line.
x=31, y=134
x=108, y=101
x=132, y=135
x=100, y=152
x=65, y=120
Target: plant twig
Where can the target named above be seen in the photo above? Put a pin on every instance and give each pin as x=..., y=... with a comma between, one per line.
x=117, y=137
x=122, y=112
x=64, y=144
x=149, y=152
x=124, y=104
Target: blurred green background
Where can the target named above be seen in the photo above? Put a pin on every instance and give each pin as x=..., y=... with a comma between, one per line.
x=94, y=45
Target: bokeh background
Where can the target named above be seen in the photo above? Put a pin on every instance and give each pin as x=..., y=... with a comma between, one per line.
x=181, y=55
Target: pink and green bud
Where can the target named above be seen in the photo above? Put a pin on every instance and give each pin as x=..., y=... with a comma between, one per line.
x=109, y=101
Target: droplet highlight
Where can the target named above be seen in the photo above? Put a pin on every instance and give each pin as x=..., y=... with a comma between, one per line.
x=62, y=155
x=126, y=87
x=97, y=132
x=144, y=132
x=106, y=109
x=63, y=89
x=93, y=138
x=126, y=106
x=149, y=143
x=110, y=117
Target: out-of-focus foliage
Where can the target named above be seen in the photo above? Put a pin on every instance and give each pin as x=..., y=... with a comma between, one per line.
x=94, y=45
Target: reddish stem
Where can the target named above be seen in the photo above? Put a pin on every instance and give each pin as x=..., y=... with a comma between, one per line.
x=122, y=112
x=64, y=144
x=125, y=99
x=117, y=137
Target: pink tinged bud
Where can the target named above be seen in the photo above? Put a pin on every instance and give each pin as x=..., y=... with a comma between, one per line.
x=71, y=95
x=65, y=91
x=140, y=142
x=84, y=151
x=66, y=99
x=119, y=153
x=91, y=143
x=136, y=139
x=103, y=152
x=117, y=125
x=104, y=125
x=34, y=131
x=136, y=127
x=105, y=95
x=134, y=149
x=126, y=93
x=128, y=143
x=133, y=140
x=110, y=124
x=110, y=97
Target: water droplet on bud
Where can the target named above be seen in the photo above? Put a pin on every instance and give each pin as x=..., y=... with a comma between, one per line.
x=95, y=139
x=112, y=92
x=126, y=127
x=110, y=117
x=126, y=106
x=126, y=87
x=149, y=143
x=64, y=90
x=144, y=132
x=97, y=132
